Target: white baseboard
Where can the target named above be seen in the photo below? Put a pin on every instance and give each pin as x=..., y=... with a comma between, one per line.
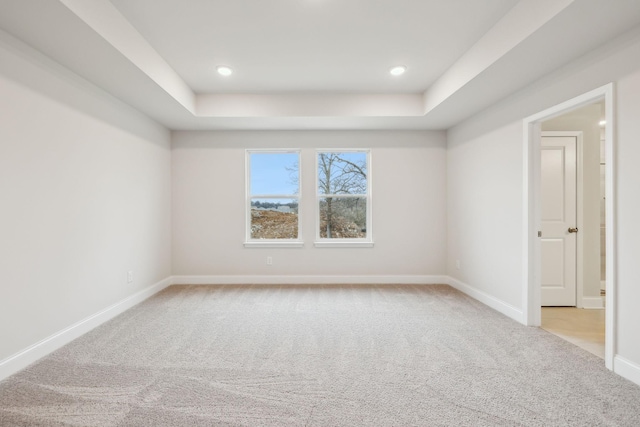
x=308, y=280
x=626, y=369
x=593, y=302
x=24, y=358
x=493, y=302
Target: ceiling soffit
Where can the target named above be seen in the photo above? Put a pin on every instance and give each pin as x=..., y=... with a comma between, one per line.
x=458, y=92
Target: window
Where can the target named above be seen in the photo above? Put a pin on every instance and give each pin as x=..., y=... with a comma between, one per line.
x=343, y=198
x=273, y=198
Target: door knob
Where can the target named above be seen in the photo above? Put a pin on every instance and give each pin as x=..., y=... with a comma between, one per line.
x=573, y=230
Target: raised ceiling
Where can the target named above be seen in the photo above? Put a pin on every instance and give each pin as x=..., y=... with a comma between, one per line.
x=312, y=45
x=313, y=64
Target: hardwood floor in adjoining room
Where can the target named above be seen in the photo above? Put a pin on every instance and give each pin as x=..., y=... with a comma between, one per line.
x=584, y=328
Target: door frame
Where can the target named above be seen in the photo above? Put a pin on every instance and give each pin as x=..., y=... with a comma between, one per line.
x=579, y=207
x=531, y=211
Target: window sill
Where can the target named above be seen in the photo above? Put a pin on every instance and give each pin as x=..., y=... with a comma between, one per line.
x=342, y=244
x=273, y=244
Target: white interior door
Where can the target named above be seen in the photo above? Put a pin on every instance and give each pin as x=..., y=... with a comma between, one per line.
x=559, y=216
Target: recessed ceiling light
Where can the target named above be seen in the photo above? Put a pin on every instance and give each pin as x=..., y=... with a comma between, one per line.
x=398, y=70
x=602, y=122
x=223, y=70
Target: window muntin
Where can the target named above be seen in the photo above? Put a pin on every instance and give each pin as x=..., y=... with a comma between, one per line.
x=273, y=196
x=343, y=197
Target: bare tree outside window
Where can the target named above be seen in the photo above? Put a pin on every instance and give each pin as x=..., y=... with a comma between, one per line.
x=343, y=194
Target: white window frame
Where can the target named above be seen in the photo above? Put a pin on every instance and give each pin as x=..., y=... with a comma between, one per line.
x=366, y=242
x=271, y=243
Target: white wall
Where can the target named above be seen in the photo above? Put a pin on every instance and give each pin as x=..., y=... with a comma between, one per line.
x=627, y=214
x=484, y=212
x=586, y=120
x=485, y=184
x=408, y=184
x=84, y=194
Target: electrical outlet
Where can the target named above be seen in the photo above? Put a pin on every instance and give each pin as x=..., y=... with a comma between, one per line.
x=458, y=264
x=129, y=276
x=269, y=260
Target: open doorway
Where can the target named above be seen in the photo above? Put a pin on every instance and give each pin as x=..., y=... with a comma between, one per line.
x=573, y=251
x=578, y=279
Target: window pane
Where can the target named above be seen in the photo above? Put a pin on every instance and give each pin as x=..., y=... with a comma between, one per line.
x=343, y=218
x=342, y=173
x=274, y=173
x=274, y=218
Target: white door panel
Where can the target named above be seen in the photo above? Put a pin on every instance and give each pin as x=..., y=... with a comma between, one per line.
x=558, y=204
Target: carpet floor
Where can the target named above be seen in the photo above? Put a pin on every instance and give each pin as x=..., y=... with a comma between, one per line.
x=317, y=356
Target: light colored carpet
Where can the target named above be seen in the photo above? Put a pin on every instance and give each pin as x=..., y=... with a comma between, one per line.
x=317, y=356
